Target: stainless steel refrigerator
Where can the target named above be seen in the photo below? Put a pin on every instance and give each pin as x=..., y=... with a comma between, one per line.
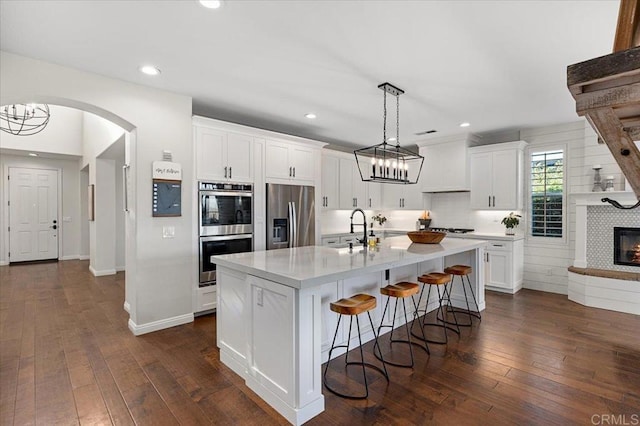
x=291, y=218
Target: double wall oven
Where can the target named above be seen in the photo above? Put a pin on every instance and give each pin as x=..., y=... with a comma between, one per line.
x=226, y=224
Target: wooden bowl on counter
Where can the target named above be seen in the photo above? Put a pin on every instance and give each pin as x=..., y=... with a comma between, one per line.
x=426, y=237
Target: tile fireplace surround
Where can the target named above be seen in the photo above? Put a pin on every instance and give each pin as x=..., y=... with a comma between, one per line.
x=607, y=286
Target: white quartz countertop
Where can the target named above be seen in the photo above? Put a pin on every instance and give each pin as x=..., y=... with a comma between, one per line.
x=309, y=266
x=487, y=236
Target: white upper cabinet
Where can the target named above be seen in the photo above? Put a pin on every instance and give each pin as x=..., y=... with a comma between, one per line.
x=290, y=162
x=330, y=181
x=445, y=167
x=402, y=197
x=496, y=174
x=353, y=191
x=223, y=156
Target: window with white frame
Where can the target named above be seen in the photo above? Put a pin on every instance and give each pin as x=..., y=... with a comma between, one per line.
x=547, y=194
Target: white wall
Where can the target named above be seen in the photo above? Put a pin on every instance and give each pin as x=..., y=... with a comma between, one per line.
x=63, y=134
x=98, y=135
x=70, y=197
x=159, y=274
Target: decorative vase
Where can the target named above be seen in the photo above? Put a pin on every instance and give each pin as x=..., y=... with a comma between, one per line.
x=510, y=231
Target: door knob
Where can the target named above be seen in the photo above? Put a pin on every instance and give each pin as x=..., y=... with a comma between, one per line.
x=54, y=227
x=55, y=221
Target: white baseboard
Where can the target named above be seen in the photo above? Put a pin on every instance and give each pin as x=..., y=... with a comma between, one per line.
x=127, y=307
x=83, y=257
x=120, y=268
x=70, y=257
x=3, y=263
x=138, y=330
x=101, y=273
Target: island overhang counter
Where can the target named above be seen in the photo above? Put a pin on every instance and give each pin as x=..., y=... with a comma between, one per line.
x=274, y=325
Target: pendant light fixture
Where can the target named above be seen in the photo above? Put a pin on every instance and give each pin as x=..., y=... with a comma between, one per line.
x=388, y=163
x=24, y=119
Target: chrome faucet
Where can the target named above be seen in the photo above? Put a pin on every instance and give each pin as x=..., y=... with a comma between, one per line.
x=364, y=224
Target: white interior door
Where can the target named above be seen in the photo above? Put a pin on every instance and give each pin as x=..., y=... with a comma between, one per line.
x=33, y=214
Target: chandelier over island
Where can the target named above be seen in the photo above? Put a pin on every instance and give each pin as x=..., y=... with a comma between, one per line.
x=387, y=163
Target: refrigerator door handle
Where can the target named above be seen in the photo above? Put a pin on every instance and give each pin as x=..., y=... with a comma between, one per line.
x=292, y=225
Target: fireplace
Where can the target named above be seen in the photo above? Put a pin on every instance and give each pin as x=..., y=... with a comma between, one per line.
x=626, y=246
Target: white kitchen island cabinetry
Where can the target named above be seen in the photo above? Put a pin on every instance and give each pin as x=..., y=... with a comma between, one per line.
x=496, y=176
x=222, y=156
x=273, y=321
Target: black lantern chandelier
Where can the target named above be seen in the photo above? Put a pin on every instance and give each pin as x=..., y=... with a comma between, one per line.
x=387, y=163
x=24, y=119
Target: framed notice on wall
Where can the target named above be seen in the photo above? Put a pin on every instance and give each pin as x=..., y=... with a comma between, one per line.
x=167, y=196
x=167, y=189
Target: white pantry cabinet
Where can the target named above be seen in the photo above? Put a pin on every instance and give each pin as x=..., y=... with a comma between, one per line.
x=223, y=156
x=291, y=162
x=504, y=266
x=330, y=181
x=496, y=176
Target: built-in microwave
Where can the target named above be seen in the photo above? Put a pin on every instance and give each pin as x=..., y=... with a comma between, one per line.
x=225, y=208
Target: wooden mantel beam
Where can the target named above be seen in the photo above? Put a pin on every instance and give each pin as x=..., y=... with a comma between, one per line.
x=607, y=93
x=628, y=29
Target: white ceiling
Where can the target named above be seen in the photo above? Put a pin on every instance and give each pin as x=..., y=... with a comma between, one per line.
x=500, y=65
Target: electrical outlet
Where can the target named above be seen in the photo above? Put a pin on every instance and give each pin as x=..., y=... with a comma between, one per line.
x=168, y=231
x=259, y=297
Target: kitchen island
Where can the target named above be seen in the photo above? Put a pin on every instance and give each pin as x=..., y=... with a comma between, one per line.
x=274, y=326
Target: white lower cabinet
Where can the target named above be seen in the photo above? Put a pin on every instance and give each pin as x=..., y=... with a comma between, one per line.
x=206, y=298
x=330, y=241
x=504, y=266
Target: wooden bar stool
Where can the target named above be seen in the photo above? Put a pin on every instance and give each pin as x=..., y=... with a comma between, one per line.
x=437, y=279
x=353, y=306
x=400, y=290
x=463, y=272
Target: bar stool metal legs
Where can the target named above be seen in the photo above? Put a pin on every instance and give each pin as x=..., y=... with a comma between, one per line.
x=439, y=280
x=353, y=306
x=463, y=272
x=398, y=291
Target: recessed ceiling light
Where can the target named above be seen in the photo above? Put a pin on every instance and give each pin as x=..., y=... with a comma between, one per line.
x=149, y=70
x=465, y=124
x=310, y=115
x=211, y=4
x=33, y=154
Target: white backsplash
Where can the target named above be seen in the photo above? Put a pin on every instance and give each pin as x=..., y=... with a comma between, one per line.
x=453, y=210
x=447, y=210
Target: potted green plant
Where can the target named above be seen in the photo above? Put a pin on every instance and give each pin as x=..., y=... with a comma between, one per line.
x=380, y=219
x=511, y=221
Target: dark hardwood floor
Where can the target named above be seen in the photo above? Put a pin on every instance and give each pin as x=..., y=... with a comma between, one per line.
x=67, y=357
